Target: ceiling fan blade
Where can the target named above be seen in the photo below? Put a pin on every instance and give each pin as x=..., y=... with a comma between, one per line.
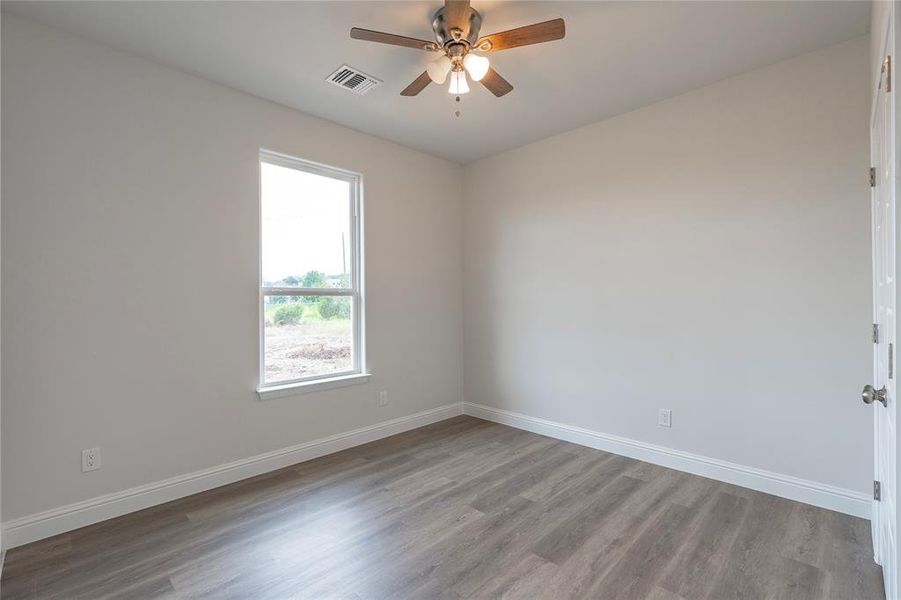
x=456, y=15
x=389, y=38
x=496, y=84
x=548, y=31
x=418, y=85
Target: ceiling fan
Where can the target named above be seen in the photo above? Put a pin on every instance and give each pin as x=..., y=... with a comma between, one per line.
x=456, y=26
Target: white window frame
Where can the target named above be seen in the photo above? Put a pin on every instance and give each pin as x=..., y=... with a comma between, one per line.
x=357, y=373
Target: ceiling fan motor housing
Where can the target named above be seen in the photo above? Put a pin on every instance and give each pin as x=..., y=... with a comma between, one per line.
x=457, y=27
x=444, y=34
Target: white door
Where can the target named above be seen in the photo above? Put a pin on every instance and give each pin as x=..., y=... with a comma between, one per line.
x=881, y=394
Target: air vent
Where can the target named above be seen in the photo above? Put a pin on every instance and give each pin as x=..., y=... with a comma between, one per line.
x=351, y=79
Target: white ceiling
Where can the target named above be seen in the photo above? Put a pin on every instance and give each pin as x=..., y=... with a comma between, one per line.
x=616, y=56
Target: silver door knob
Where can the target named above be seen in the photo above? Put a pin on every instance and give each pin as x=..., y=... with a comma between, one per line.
x=871, y=394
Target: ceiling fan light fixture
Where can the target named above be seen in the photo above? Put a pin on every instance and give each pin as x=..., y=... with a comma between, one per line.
x=458, y=84
x=476, y=65
x=457, y=29
x=438, y=69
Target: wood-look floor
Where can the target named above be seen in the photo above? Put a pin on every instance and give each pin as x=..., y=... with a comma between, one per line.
x=463, y=508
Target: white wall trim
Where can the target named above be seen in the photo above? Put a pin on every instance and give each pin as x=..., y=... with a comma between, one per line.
x=785, y=486
x=306, y=387
x=66, y=518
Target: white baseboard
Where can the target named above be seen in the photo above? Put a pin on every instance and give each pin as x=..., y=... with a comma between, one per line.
x=66, y=518
x=793, y=488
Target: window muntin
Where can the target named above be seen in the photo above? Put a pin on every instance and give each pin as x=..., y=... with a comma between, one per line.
x=310, y=300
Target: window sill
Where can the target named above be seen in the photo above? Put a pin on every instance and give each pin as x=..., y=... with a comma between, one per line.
x=305, y=387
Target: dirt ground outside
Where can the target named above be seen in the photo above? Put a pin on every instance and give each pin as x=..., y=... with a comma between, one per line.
x=306, y=349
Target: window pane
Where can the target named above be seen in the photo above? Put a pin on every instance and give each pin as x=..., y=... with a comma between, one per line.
x=306, y=336
x=306, y=229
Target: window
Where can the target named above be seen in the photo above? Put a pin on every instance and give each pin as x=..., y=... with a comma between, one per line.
x=310, y=300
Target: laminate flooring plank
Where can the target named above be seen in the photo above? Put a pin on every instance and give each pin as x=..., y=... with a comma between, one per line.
x=571, y=534
x=853, y=573
x=517, y=582
x=795, y=580
x=755, y=554
x=498, y=494
x=635, y=575
x=703, y=554
x=581, y=574
x=566, y=476
x=809, y=538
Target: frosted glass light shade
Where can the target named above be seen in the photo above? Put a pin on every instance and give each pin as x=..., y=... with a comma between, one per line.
x=476, y=65
x=438, y=68
x=458, y=84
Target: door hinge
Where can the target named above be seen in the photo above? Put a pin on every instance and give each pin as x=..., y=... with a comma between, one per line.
x=891, y=361
x=877, y=491
x=875, y=333
x=872, y=176
x=887, y=72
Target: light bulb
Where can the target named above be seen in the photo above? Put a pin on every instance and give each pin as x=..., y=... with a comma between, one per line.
x=438, y=68
x=476, y=65
x=458, y=83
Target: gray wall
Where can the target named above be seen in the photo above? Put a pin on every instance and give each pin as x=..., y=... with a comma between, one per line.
x=130, y=272
x=709, y=254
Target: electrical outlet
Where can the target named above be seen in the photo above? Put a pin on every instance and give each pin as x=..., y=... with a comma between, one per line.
x=383, y=398
x=90, y=459
x=665, y=417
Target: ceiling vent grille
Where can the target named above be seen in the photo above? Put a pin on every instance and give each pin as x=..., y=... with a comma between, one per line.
x=351, y=79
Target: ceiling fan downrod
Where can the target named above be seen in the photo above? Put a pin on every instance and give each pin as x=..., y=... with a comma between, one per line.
x=457, y=27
